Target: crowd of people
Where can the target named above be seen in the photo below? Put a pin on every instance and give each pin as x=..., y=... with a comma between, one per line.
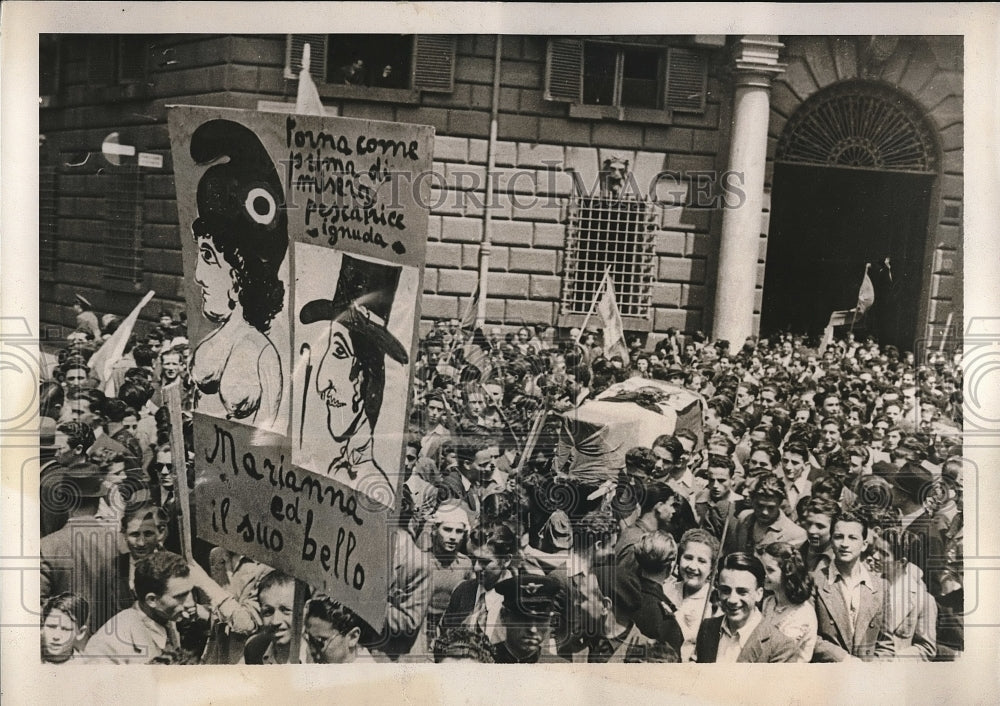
x=813, y=513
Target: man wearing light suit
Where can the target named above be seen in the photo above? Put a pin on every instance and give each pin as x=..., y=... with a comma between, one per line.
x=851, y=609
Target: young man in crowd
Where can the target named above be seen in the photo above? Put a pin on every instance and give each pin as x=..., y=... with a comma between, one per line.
x=164, y=592
x=332, y=631
x=531, y=605
x=717, y=504
x=741, y=634
x=765, y=523
x=817, y=518
x=850, y=602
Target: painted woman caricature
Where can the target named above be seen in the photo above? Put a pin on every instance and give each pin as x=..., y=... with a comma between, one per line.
x=242, y=235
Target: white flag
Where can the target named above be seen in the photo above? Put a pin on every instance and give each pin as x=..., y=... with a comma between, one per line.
x=614, y=331
x=112, y=349
x=307, y=102
x=866, y=294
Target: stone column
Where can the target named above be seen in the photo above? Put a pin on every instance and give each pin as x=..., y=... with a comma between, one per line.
x=755, y=64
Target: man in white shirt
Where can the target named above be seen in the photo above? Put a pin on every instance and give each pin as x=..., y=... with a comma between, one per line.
x=740, y=634
x=164, y=589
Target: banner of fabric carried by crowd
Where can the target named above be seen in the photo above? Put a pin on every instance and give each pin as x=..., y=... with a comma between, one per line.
x=304, y=240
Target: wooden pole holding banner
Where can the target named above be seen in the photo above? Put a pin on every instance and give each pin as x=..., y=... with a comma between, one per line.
x=946, y=332
x=298, y=621
x=178, y=456
x=593, y=304
x=529, y=444
x=718, y=560
x=307, y=103
x=499, y=405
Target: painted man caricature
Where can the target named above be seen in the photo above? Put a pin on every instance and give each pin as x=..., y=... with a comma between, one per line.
x=350, y=374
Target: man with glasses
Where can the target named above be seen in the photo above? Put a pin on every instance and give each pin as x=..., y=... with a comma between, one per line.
x=332, y=631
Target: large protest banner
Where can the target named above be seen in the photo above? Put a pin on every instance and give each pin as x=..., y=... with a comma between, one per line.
x=303, y=243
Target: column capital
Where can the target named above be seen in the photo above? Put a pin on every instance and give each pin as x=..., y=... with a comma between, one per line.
x=755, y=60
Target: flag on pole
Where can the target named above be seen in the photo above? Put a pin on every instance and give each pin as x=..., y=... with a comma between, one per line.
x=866, y=294
x=468, y=320
x=307, y=102
x=111, y=351
x=614, y=331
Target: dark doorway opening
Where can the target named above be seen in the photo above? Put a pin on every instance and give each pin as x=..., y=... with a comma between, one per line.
x=826, y=224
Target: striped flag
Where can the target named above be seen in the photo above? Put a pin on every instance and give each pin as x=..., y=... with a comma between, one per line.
x=468, y=320
x=614, y=331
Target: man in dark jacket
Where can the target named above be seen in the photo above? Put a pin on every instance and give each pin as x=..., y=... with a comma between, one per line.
x=741, y=634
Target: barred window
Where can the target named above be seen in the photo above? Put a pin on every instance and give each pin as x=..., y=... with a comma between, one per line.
x=609, y=232
x=124, y=214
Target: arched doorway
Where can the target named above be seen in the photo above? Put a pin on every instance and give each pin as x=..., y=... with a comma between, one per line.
x=853, y=176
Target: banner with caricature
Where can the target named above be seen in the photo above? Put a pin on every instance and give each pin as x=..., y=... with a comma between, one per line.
x=303, y=245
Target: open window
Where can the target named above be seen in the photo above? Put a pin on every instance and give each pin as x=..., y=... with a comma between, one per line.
x=374, y=65
x=626, y=81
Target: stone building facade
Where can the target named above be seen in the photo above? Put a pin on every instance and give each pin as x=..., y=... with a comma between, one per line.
x=708, y=130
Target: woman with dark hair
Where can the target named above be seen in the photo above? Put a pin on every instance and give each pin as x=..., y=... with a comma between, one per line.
x=789, y=606
x=242, y=236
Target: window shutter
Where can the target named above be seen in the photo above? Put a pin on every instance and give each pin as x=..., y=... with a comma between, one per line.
x=317, y=55
x=434, y=63
x=687, y=80
x=564, y=71
x=131, y=59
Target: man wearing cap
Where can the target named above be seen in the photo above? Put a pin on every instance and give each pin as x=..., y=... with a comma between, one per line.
x=530, y=605
x=910, y=485
x=86, y=319
x=351, y=374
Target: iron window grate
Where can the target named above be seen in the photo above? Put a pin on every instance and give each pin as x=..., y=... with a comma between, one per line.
x=609, y=234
